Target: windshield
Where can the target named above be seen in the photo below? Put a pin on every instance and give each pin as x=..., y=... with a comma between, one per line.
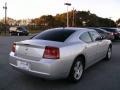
x=22, y=28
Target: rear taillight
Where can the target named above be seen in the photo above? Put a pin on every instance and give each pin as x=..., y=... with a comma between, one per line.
x=51, y=53
x=111, y=34
x=13, y=47
x=115, y=33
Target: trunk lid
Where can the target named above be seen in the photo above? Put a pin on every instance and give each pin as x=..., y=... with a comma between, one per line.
x=34, y=49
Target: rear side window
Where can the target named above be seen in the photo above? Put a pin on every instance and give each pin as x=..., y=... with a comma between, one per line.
x=86, y=37
x=59, y=35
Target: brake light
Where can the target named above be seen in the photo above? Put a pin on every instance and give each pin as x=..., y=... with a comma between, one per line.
x=111, y=34
x=115, y=33
x=51, y=53
x=13, y=47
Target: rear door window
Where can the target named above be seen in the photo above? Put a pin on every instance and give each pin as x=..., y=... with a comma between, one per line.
x=94, y=35
x=86, y=37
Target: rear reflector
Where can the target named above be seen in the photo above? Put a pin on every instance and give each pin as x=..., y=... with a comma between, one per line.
x=51, y=53
x=13, y=47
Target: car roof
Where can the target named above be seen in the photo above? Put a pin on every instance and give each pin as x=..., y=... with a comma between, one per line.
x=101, y=30
x=74, y=28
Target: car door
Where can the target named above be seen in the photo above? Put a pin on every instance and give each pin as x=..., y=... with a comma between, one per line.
x=101, y=45
x=90, y=50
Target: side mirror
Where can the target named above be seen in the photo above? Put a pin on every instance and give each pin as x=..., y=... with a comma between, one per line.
x=104, y=36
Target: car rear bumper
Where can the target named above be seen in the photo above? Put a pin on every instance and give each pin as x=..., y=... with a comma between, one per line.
x=51, y=69
x=117, y=36
x=111, y=37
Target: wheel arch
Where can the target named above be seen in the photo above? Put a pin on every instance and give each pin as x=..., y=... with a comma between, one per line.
x=83, y=62
x=110, y=45
x=83, y=59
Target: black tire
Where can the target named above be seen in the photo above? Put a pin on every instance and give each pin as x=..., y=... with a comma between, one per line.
x=26, y=34
x=109, y=54
x=75, y=75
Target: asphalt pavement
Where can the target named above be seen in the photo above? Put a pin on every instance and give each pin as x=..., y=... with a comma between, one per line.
x=104, y=75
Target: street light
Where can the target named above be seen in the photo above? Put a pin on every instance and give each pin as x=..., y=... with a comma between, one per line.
x=73, y=21
x=5, y=7
x=68, y=4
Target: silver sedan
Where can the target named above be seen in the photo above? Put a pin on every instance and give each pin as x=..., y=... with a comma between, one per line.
x=60, y=53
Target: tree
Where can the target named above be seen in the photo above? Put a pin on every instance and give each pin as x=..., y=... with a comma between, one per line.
x=118, y=22
x=81, y=19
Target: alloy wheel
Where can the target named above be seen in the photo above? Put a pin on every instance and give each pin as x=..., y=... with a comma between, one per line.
x=78, y=70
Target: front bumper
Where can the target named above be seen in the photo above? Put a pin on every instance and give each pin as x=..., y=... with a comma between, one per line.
x=45, y=68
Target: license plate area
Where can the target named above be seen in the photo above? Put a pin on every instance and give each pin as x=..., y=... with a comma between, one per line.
x=23, y=65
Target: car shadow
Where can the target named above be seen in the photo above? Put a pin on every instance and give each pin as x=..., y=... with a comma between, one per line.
x=39, y=82
x=90, y=77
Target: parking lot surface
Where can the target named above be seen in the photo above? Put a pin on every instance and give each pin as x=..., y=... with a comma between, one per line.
x=104, y=75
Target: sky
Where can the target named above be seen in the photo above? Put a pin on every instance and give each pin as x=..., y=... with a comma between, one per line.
x=24, y=9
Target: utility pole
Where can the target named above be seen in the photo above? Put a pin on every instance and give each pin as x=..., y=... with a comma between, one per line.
x=110, y=21
x=5, y=7
x=68, y=4
x=73, y=21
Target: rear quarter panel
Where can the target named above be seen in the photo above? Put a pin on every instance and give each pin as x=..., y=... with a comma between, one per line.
x=69, y=52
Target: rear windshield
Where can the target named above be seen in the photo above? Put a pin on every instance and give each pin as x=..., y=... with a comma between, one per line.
x=54, y=35
x=110, y=30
